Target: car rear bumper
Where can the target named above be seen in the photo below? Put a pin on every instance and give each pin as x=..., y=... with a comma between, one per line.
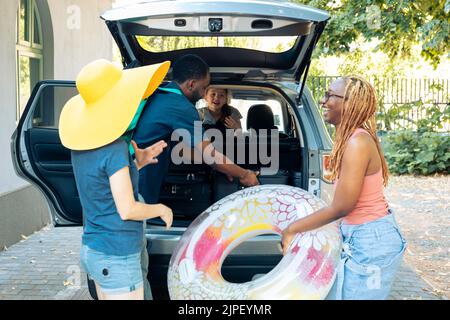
x=163, y=242
x=255, y=256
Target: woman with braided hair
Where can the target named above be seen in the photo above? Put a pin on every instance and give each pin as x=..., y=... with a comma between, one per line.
x=373, y=246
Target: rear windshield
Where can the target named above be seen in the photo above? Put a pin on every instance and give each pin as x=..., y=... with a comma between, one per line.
x=243, y=106
x=272, y=44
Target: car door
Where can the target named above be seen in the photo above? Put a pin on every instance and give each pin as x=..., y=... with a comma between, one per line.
x=40, y=158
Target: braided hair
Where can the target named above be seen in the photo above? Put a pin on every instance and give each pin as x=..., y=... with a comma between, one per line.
x=359, y=110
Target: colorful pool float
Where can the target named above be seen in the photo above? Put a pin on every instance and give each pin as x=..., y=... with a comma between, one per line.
x=306, y=272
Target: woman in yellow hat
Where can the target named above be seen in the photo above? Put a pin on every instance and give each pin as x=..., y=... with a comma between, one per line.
x=94, y=125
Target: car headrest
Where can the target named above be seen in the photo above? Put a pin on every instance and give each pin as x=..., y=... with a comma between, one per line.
x=260, y=116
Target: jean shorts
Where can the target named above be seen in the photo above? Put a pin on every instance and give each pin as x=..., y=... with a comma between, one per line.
x=371, y=256
x=113, y=274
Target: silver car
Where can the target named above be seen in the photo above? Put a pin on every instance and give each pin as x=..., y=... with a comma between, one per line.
x=259, y=50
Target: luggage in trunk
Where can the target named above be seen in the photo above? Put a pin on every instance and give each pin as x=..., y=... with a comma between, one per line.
x=187, y=194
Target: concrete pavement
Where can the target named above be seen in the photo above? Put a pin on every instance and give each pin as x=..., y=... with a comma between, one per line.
x=46, y=266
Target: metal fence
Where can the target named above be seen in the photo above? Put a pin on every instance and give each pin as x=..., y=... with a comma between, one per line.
x=404, y=103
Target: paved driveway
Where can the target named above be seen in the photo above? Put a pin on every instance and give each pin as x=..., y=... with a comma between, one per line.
x=46, y=266
x=422, y=207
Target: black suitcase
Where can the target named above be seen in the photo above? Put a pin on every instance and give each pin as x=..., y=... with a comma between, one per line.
x=187, y=194
x=222, y=187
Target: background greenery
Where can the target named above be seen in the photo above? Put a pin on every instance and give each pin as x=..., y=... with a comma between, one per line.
x=397, y=25
x=412, y=152
x=391, y=39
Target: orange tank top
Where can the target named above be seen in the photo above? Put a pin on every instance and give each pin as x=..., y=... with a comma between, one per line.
x=371, y=204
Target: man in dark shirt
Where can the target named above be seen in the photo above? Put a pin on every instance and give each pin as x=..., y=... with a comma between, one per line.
x=168, y=109
x=172, y=108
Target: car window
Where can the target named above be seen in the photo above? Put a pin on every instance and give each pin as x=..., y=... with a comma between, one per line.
x=49, y=106
x=272, y=44
x=244, y=105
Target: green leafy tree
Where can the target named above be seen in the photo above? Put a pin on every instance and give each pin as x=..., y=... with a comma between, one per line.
x=398, y=24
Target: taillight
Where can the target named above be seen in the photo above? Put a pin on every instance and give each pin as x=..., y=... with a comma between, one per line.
x=326, y=167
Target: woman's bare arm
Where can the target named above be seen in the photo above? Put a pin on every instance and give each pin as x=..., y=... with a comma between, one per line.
x=353, y=170
x=128, y=207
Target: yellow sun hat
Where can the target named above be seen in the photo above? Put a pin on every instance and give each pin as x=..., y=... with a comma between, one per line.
x=108, y=100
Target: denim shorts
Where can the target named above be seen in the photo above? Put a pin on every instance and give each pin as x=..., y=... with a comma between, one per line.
x=113, y=274
x=371, y=256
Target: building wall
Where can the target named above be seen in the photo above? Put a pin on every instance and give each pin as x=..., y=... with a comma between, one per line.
x=8, y=179
x=73, y=36
x=78, y=41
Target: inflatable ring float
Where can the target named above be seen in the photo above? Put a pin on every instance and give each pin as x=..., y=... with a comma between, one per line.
x=306, y=272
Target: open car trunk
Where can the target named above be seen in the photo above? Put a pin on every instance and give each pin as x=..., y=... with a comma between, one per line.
x=251, y=40
x=189, y=189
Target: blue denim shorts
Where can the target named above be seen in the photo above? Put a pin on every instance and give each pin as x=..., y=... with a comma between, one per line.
x=371, y=256
x=113, y=274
